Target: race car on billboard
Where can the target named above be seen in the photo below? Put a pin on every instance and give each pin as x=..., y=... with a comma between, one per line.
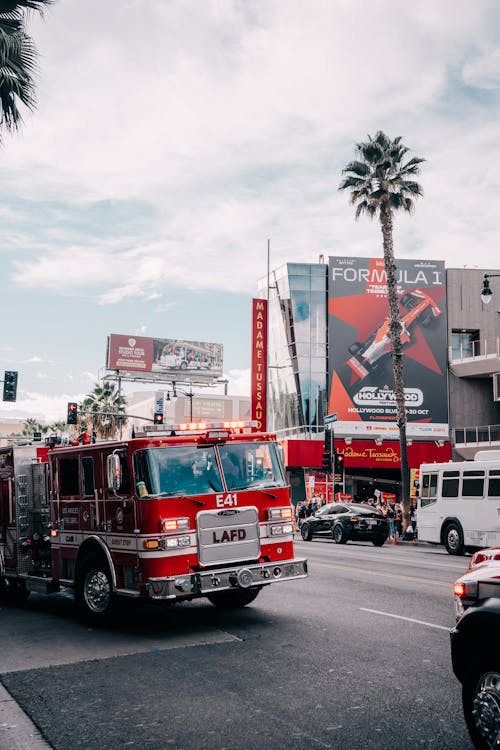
x=420, y=308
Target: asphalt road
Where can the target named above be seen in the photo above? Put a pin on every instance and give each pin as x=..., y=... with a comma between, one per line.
x=355, y=656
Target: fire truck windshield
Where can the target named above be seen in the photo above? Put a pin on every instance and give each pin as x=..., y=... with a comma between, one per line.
x=172, y=471
x=178, y=470
x=247, y=465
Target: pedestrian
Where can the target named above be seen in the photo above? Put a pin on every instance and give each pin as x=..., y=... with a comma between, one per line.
x=390, y=517
x=301, y=513
x=414, y=520
x=398, y=521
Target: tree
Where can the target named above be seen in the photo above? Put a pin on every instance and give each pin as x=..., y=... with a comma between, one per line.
x=31, y=426
x=17, y=61
x=381, y=182
x=103, y=409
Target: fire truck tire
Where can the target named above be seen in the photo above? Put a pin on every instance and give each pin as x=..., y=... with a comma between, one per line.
x=94, y=590
x=233, y=599
x=12, y=591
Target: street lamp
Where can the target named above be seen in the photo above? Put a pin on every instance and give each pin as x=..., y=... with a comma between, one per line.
x=486, y=293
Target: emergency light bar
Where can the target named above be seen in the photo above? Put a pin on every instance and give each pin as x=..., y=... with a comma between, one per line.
x=213, y=429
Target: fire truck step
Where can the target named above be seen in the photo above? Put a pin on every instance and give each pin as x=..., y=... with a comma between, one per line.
x=41, y=585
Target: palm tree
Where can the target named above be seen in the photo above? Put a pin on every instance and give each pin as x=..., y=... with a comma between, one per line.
x=381, y=182
x=102, y=409
x=31, y=426
x=17, y=60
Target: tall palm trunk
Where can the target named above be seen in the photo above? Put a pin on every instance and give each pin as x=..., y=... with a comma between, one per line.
x=397, y=359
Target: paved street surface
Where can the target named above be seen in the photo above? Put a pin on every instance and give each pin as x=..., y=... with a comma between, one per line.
x=355, y=656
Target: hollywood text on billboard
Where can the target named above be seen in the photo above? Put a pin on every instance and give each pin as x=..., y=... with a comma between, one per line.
x=361, y=384
x=259, y=363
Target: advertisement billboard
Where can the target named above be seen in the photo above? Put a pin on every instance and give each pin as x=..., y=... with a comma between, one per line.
x=174, y=359
x=361, y=385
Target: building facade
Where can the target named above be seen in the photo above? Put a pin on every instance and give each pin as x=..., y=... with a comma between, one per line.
x=474, y=362
x=450, y=357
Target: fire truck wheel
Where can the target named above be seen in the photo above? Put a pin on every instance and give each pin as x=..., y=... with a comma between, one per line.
x=94, y=590
x=233, y=599
x=12, y=591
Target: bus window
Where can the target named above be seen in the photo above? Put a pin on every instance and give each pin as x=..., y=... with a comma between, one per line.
x=450, y=483
x=473, y=484
x=429, y=489
x=494, y=483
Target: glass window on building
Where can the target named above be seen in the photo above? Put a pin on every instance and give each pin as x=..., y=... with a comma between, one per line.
x=297, y=348
x=464, y=344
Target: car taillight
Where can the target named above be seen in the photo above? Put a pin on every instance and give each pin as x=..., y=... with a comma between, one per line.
x=459, y=589
x=354, y=519
x=466, y=589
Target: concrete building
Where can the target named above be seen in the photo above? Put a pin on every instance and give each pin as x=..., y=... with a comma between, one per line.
x=186, y=406
x=474, y=362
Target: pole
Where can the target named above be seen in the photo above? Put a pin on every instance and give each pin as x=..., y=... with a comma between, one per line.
x=267, y=331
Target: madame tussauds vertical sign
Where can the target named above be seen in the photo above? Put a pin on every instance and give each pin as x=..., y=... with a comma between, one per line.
x=259, y=363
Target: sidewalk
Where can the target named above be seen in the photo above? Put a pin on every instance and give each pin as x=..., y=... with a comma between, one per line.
x=17, y=731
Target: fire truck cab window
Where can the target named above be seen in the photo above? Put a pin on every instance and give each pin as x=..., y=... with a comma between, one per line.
x=247, y=465
x=68, y=477
x=88, y=484
x=178, y=470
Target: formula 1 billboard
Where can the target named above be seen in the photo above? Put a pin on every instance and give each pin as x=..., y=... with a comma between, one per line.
x=361, y=384
x=174, y=359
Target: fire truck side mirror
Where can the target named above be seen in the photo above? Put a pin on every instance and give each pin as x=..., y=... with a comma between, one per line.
x=114, y=468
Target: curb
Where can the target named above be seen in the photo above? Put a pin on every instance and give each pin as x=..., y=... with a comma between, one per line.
x=17, y=731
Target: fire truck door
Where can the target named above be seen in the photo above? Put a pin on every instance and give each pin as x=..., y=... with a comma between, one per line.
x=7, y=522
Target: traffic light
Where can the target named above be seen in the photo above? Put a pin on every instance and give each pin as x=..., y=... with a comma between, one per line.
x=10, y=385
x=339, y=463
x=158, y=417
x=72, y=417
x=327, y=462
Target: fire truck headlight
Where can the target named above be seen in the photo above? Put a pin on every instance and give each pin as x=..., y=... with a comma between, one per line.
x=176, y=541
x=279, y=514
x=281, y=529
x=174, y=524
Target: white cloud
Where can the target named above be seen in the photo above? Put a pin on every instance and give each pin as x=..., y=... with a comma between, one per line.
x=239, y=382
x=39, y=406
x=166, y=160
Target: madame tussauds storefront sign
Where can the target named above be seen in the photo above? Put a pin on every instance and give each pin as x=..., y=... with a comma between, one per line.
x=366, y=454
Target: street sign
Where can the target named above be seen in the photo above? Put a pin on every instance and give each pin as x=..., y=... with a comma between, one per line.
x=330, y=418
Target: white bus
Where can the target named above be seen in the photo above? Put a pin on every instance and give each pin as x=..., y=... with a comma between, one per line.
x=459, y=503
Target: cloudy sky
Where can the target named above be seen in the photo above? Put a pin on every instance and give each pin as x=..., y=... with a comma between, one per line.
x=174, y=137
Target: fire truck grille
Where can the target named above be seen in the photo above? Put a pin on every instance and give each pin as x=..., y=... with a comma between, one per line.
x=227, y=536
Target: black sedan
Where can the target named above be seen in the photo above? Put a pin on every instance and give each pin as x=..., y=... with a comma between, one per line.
x=347, y=521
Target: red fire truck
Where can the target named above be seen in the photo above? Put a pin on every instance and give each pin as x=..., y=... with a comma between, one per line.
x=197, y=511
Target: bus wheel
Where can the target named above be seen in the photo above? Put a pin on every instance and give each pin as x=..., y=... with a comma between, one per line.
x=94, y=590
x=453, y=539
x=233, y=599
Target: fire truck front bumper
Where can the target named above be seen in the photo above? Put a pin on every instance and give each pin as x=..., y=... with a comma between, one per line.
x=202, y=583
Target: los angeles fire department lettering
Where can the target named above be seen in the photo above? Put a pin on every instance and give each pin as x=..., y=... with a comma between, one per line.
x=231, y=535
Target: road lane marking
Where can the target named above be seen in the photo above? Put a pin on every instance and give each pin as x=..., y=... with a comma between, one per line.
x=380, y=573
x=408, y=619
x=386, y=551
